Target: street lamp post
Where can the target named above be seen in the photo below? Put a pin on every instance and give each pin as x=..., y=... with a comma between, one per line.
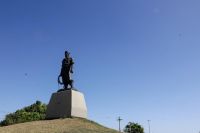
x=119, y=119
x=149, y=126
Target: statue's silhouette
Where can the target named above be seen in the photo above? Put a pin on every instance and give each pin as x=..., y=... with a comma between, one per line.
x=66, y=71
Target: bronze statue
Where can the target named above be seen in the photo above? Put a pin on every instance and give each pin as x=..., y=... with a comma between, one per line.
x=66, y=71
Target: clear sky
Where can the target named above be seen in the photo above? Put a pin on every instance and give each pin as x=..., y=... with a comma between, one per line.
x=138, y=59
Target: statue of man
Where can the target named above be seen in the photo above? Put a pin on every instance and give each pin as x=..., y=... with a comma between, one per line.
x=66, y=70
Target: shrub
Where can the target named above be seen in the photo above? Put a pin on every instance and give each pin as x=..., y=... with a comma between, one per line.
x=36, y=111
x=132, y=127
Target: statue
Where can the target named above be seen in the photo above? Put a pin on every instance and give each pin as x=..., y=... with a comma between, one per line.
x=66, y=71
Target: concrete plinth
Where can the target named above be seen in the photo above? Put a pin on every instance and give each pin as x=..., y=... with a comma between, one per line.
x=67, y=103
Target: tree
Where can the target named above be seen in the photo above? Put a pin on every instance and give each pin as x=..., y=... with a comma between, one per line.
x=34, y=112
x=132, y=127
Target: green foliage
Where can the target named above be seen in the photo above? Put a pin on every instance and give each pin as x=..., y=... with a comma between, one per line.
x=36, y=111
x=133, y=128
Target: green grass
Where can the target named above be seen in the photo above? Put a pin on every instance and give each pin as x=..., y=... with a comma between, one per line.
x=67, y=125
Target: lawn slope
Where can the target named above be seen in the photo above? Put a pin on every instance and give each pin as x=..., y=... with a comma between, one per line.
x=68, y=125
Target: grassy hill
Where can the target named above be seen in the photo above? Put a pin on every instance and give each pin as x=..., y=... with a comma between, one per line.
x=68, y=125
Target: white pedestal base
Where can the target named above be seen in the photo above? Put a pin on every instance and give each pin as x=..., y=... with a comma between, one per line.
x=67, y=103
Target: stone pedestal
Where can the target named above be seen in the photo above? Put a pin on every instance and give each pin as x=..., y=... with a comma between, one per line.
x=67, y=103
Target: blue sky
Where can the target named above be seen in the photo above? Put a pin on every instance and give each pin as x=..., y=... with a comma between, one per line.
x=138, y=59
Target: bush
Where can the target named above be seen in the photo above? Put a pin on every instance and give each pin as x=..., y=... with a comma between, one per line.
x=36, y=111
x=132, y=127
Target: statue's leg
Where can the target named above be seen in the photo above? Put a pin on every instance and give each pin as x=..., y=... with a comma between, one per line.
x=65, y=82
x=71, y=83
x=65, y=85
